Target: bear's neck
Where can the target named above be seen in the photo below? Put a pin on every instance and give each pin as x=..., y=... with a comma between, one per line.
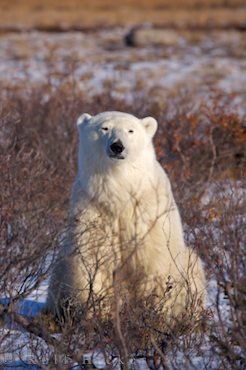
x=120, y=180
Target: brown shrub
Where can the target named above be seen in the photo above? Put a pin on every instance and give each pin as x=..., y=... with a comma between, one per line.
x=38, y=160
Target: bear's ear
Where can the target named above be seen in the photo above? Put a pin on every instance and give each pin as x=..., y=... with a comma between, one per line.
x=83, y=118
x=150, y=125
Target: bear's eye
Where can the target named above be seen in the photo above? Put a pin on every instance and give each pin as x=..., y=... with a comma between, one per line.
x=105, y=128
x=131, y=131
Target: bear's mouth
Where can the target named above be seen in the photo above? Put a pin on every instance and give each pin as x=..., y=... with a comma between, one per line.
x=116, y=156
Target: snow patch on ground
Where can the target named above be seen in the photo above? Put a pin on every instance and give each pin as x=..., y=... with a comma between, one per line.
x=18, y=347
x=96, y=62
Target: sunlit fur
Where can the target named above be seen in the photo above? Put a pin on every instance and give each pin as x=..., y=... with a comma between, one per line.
x=124, y=223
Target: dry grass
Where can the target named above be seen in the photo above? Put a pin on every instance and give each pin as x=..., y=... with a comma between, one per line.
x=201, y=146
x=80, y=14
x=38, y=159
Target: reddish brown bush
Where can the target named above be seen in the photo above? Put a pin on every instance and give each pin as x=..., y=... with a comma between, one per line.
x=203, y=154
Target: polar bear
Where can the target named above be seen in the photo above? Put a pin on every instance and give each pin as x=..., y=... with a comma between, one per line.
x=125, y=231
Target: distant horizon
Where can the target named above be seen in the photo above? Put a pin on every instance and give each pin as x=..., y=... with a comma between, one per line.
x=76, y=14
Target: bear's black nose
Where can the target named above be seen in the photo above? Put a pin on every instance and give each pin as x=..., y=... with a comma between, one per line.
x=117, y=147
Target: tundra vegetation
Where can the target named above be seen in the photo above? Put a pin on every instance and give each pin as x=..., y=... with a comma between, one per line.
x=204, y=157
x=47, y=81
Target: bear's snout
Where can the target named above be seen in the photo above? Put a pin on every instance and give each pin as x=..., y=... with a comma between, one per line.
x=116, y=149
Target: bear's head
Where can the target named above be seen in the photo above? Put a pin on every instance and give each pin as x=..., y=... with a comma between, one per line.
x=114, y=137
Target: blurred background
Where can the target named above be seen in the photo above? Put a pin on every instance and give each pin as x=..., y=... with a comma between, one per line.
x=81, y=14
x=181, y=61
x=129, y=48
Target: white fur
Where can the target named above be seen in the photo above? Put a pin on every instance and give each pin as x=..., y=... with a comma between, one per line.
x=124, y=221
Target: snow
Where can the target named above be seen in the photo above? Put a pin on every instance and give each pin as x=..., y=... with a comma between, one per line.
x=91, y=61
x=86, y=58
x=18, y=347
